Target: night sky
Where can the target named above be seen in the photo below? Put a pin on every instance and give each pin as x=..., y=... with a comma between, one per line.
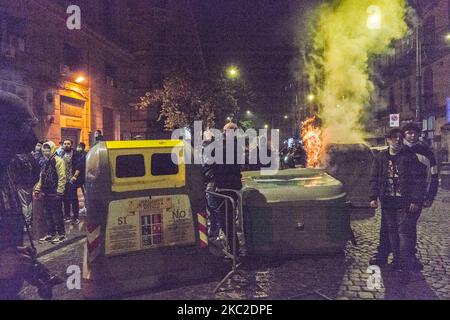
x=259, y=36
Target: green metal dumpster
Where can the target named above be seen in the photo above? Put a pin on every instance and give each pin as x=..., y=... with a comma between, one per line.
x=295, y=211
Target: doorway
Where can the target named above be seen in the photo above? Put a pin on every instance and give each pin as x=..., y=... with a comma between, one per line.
x=72, y=134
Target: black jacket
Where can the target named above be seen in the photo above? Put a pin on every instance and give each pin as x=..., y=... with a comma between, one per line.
x=223, y=176
x=411, y=177
x=427, y=160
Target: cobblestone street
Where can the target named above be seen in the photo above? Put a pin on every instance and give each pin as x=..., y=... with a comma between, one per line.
x=314, y=277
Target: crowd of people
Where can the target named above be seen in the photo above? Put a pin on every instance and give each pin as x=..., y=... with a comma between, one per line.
x=57, y=174
x=61, y=175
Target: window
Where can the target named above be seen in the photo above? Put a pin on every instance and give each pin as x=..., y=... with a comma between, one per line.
x=130, y=166
x=162, y=165
x=111, y=75
x=72, y=57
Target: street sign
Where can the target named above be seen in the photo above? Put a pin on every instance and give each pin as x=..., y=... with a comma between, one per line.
x=394, y=120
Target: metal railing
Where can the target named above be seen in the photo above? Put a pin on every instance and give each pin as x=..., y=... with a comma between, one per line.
x=237, y=230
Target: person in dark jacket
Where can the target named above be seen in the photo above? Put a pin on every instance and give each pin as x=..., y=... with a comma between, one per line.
x=427, y=159
x=51, y=187
x=224, y=175
x=98, y=136
x=397, y=180
x=72, y=161
x=16, y=137
x=81, y=152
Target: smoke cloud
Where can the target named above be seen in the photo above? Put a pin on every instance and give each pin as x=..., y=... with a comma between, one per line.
x=345, y=35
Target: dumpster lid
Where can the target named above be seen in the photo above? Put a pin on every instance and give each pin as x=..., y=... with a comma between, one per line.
x=134, y=144
x=292, y=185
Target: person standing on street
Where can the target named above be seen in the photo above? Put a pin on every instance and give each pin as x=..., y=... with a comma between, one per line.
x=397, y=180
x=97, y=137
x=425, y=156
x=222, y=176
x=30, y=170
x=81, y=153
x=37, y=154
x=51, y=188
x=70, y=200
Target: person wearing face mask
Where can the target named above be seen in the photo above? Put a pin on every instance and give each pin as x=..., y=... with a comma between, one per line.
x=397, y=181
x=50, y=187
x=73, y=173
x=97, y=137
x=16, y=137
x=82, y=167
x=37, y=153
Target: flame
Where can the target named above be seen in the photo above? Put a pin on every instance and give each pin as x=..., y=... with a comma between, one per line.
x=312, y=141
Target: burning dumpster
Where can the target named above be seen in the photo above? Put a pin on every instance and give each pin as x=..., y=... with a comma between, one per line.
x=296, y=211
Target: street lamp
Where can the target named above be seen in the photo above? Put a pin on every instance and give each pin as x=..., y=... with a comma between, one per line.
x=266, y=126
x=232, y=72
x=374, y=17
x=310, y=97
x=80, y=79
x=447, y=37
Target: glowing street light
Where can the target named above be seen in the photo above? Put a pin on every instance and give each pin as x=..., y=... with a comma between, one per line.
x=80, y=79
x=232, y=72
x=310, y=97
x=266, y=126
x=374, y=18
x=447, y=37
x=249, y=113
x=286, y=117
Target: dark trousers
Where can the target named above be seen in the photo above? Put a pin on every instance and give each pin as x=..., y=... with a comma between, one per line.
x=70, y=201
x=216, y=209
x=53, y=215
x=384, y=247
x=401, y=234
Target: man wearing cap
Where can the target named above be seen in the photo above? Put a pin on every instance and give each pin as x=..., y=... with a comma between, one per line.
x=398, y=181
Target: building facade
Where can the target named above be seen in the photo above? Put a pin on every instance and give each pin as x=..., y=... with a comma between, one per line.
x=78, y=81
x=416, y=75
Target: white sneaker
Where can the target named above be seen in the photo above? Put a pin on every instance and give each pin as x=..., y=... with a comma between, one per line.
x=59, y=239
x=47, y=238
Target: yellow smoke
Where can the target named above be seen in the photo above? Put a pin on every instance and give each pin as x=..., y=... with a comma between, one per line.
x=345, y=36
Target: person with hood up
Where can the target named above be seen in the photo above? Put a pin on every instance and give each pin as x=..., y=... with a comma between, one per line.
x=51, y=186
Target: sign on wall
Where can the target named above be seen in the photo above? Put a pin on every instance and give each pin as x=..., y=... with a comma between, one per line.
x=394, y=120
